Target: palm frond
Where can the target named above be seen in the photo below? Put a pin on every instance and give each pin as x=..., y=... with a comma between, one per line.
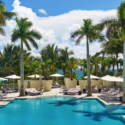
x=76, y=33
x=15, y=35
x=9, y=15
x=2, y=32
x=26, y=44
x=79, y=39
x=35, y=34
x=32, y=41
x=105, y=22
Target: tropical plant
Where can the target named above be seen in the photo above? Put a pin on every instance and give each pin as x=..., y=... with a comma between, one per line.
x=4, y=15
x=64, y=58
x=92, y=33
x=119, y=24
x=24, y=33
x=83, y=64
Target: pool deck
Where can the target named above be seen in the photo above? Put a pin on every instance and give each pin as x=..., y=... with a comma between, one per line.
x=57, y=92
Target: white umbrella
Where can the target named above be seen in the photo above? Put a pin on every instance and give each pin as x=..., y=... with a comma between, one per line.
x=57, y=75
x=112, y=78
x=13, y=77
x=92, y=77
x=2, y=79
x=35, y=75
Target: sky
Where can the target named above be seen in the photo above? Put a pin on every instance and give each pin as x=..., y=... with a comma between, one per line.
x=57, y=19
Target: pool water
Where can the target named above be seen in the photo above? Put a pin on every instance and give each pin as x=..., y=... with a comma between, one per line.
x=60, y=111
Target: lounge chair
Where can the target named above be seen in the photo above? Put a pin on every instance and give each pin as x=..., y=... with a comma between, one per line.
x=94, y=89
x=110, y=91
x=13, y=90
x=104, y=89
x=117, y=91
x=2, y=95
x=7, y=89
x=32, y=91
x=120, y=95
x=56, y=85
x=72, y=91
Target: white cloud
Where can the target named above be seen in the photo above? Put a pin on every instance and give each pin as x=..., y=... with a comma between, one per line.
x=57, y=29
x=16, y=3
x=42, y=11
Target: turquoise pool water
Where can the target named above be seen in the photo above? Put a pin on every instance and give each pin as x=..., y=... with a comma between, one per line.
x=60, y=111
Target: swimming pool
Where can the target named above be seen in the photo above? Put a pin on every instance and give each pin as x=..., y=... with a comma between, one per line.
x=60, y=111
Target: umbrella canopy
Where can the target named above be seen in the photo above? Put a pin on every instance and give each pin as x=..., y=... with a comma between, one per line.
x=112, y=78
x=33, y=76
x=13, y=77
x=57, y=75
x=92, y=77
x=2, y=79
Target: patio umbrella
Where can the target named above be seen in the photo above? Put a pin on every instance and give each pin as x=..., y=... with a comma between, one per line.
x=112, y=78
x=56, y=75
x=2, y=79
x=92, y=77
x=13, y=77
x=35, y=75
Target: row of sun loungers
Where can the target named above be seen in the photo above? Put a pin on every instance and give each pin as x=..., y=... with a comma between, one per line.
x=113, y=93
x=72, y=91
x=56, y=85
x=8, y=89
x=32, y=91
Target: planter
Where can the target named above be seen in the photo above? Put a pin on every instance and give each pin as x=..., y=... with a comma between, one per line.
x=35, y=84
x=83, y=84
x=25, y=84
x=70, y=83
x=47, y=85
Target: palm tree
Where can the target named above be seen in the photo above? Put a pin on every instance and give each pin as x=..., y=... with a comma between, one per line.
x=95, y=61
x=117, y=23
x=113, y=45
x=73, y=64
x=64, y=57
x=83, y=64
x=24, y=33
x=4, y=15
x=7, y=58
x=92, y=33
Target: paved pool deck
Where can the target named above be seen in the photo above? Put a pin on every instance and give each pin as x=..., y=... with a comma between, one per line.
x=57, y=92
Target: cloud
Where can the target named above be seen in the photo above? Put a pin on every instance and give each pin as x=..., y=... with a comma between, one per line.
x=16, y=3
x=57, y=29
x=42, y=11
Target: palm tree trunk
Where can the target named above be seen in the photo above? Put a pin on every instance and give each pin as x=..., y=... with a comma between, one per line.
x=88, y=71
x=108, y=70
x=83, y=72
x=117, y=64
x=113, y=68
x=96, y=69
x=71, y=73
x=22, y=71
x=124, y=69
x=40, y=80
x=47, y=73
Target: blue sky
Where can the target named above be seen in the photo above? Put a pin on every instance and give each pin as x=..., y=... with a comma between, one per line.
x=56, y=7
x=57, y=19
